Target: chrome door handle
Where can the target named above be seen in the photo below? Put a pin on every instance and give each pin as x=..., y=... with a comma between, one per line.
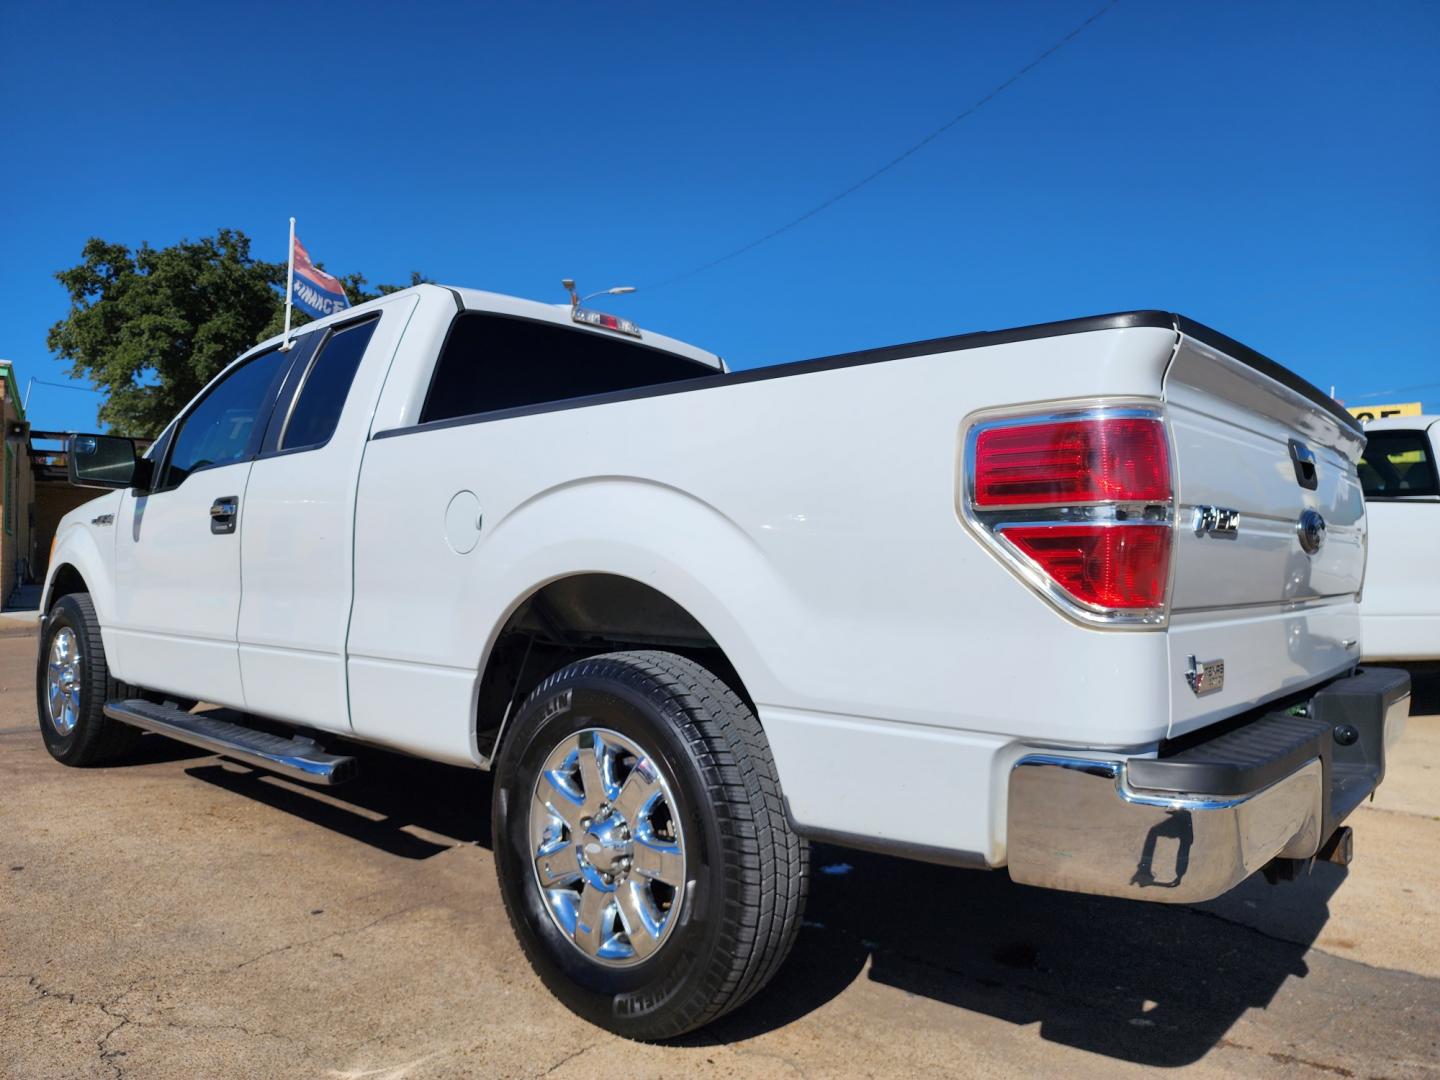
x=222, y=514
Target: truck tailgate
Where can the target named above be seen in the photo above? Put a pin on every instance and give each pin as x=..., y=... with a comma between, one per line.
x=1259, y=454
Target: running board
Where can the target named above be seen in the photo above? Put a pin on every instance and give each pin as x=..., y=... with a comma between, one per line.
x=297, y=758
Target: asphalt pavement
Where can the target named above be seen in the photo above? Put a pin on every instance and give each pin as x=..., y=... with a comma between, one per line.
x=182, y=916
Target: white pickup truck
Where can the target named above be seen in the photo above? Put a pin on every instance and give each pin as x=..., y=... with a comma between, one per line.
x=1400, y=611
x=1078, y=600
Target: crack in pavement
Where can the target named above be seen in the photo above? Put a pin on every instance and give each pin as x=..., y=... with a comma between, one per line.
x=569, y=1057
x=108, y=1056
x=1399, y=813
x=110, y=1006
x=766, y=1055
x=43, y=992
x=313, y=941
x=1308, y=946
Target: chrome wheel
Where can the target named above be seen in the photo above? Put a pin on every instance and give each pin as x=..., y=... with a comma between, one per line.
x=62, y=683
x=608, y=847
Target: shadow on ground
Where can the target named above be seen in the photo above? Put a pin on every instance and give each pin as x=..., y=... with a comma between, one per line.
x=1424, y=688
x=393, y=796
x=1146, y=983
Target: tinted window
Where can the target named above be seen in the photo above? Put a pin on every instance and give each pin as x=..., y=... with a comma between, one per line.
x=1396, y=464
x=219, y=430
x=323, y=391
x=492, y=362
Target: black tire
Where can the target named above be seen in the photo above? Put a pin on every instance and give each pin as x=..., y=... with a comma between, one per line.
x=746, y=871
x=94, y=739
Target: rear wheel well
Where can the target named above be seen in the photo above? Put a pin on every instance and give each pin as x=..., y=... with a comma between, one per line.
x=67, y=580
x=581, y=616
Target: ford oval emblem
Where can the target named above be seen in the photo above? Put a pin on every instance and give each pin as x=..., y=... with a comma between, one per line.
x=1311, y=530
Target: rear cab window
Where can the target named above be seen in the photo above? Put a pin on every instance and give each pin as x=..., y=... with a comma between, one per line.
x=1397, y=465
x=493, y=362
x=324, y=386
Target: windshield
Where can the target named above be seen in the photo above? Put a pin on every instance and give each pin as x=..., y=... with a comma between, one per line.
x=1397, y=464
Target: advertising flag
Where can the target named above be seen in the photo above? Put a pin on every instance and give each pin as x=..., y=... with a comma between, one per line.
x=314, y=290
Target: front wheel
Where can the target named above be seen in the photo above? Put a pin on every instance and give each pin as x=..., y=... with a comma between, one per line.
x=72, y=684
x=643, y=851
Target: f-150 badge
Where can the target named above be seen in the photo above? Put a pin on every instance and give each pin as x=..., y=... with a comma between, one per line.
x=1219, y=521
x=1205, y=676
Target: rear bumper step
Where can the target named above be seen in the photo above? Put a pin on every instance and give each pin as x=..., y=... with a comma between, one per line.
x=1190, y=825
x=297, y=758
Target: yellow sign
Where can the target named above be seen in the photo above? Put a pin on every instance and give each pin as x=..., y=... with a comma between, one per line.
x=1366, y=413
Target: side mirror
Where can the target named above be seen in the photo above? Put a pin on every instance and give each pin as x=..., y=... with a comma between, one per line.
x=104, y=461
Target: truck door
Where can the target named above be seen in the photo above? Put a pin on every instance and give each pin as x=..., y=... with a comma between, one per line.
x=297, y=544
x=177, y=582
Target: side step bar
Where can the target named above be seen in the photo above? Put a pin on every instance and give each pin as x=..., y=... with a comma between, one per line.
x=297, y=758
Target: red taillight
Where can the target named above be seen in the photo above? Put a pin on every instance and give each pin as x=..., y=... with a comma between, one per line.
x=1111, y=566
x=1107, y=459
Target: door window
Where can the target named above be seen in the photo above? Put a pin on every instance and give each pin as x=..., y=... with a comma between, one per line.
x=221, y=429
x=325, y=387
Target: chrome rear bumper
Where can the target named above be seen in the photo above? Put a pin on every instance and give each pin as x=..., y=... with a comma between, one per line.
x=1077, y=825
x=1082, y=824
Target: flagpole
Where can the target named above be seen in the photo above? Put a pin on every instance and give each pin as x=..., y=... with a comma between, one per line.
x=289, y=286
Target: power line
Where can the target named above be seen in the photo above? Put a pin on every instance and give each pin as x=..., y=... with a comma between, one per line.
x=66, y=386
x=977, y=106
x=33, y=382
x=1397, y=390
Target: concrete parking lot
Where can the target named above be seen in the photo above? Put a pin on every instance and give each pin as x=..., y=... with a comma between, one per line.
x=180, y=916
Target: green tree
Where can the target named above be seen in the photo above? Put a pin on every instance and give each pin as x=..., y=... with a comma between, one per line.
x=152, y=326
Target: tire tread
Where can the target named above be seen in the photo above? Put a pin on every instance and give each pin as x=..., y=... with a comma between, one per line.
x=98, y=739
x=762, y=912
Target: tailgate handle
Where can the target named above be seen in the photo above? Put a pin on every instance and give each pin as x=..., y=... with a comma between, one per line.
x=1304, y=460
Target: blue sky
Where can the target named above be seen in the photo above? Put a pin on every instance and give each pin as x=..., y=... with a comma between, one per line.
x=1270, y=169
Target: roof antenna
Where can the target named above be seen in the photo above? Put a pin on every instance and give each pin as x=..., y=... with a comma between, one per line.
x=576, y=299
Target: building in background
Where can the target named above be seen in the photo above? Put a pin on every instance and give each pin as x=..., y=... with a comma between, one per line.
x=17, y=493
x=1366, y=413
x=35, y=493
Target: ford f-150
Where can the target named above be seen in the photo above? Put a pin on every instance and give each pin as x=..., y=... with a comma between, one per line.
x=1076, y=600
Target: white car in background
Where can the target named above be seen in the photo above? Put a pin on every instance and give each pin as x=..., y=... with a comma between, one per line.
x=1401, y=605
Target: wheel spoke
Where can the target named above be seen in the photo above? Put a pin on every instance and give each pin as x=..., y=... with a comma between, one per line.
x=559, y=800
x=641, y=926
x=592, y=775
x=558, y=866
x=659, y=861
x=636, y=791
x=591, y=919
